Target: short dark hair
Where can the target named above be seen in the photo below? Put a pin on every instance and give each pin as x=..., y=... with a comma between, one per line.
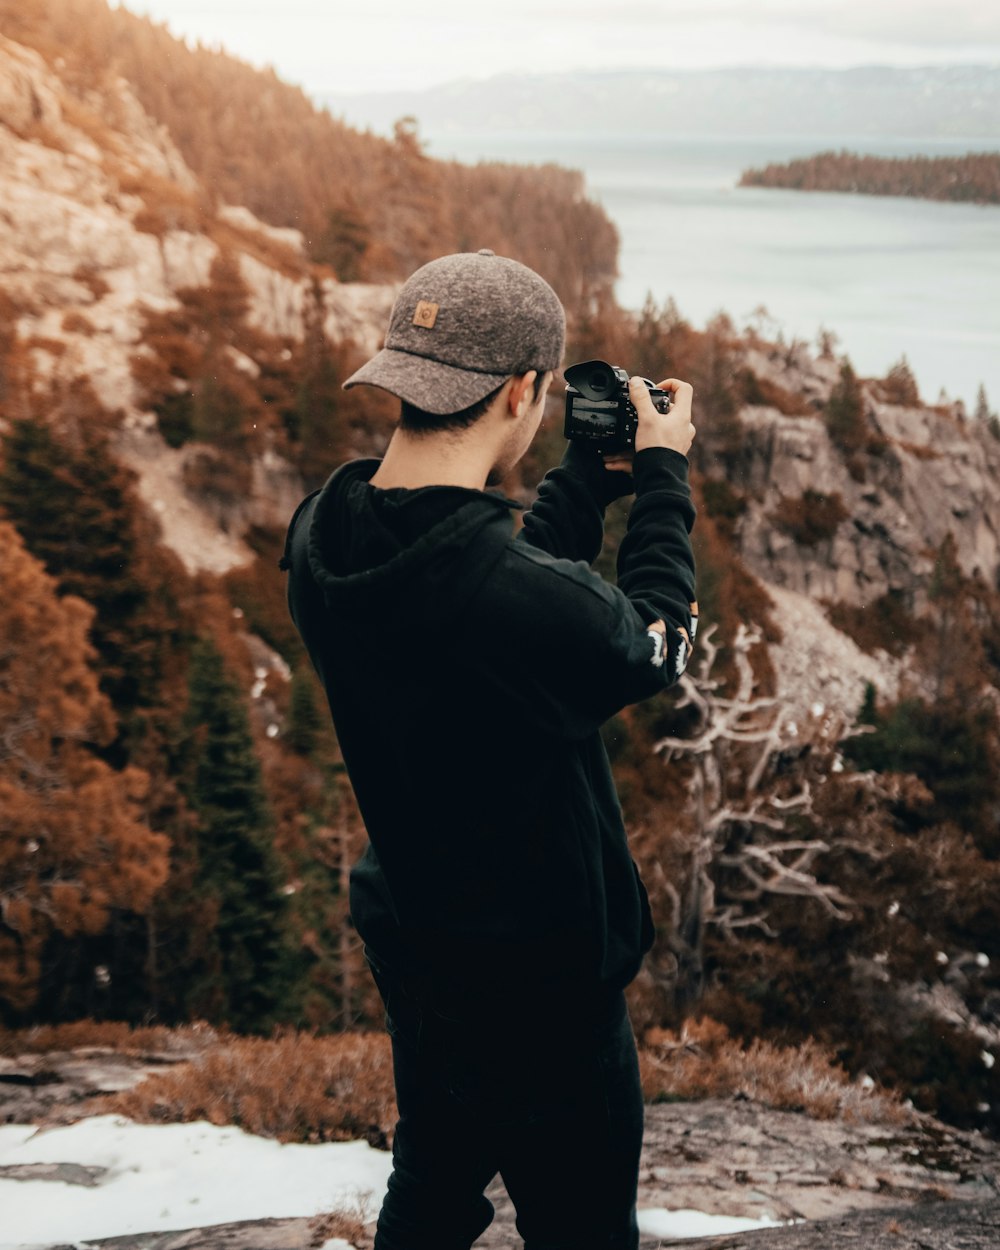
x=419, y=422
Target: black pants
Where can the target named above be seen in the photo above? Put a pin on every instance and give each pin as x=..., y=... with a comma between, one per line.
x=548, y=1095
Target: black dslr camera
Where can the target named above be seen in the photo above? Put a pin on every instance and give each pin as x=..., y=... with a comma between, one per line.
x=598, y=408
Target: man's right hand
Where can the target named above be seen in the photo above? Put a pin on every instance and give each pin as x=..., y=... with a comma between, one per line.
x=656, y=429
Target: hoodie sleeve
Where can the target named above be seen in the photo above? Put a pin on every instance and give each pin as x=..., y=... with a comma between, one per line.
x=567, y=519
x=655, y=560
x=585, y=648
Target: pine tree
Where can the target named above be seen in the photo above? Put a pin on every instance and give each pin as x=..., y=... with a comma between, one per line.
x=868, y=715
x=223, y=403
x=714, y=375
x=951, y=739
x=239, y=977
x=320, y=403
x=346, y=241
x=900, y=386
x=845, y=411
x=990, y=419
x=304, y=720
x=189, y=367
x=14, y=364
x=78, y=513
x=73, y=844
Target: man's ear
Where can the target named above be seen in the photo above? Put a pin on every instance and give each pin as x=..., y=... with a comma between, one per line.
x=522, y=393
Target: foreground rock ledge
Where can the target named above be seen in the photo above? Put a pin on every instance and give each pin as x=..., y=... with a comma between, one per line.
x=913, y=1185
x=950, y=1225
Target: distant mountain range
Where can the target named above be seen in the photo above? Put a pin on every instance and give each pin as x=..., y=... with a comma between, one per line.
x=935, y=101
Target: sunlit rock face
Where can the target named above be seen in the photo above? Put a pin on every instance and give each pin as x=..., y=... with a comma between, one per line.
x=933, y=473
x=72, y=259
x=102, y=220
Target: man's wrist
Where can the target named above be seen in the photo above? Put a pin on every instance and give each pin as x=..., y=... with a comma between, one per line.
x=584, y=461
x=654, y=461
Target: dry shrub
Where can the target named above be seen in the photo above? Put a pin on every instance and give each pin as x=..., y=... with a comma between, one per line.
x=166, y=204
x=77, y=323
x=349, y=1224
x=106, y=1035
x=919, y=451
x=38, y=131
x=261, y=246
x=89, y=277
x=40, y=343
x=722, y=500
x=812, y=518
x=703, y=1061
x=217, y=478
x=899, y=386
x=765, y=393
x=885, y=624
x=88, y=122
x=295, y=1087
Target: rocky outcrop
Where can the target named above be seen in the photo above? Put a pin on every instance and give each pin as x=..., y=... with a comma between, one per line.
x=915, y=1183
x=102, y=220
x=941, y=1226
x=821, y=673
x=930, y=472
x=57, y=1086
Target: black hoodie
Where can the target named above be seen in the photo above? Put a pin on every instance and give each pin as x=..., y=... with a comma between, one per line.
x=468, y=672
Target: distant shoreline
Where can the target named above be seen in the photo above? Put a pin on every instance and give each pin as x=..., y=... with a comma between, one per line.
x=970, y=179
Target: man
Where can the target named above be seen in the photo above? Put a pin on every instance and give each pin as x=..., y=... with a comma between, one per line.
x=468, y=672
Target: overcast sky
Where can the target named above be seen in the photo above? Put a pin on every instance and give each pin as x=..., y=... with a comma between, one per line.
x=373, y=45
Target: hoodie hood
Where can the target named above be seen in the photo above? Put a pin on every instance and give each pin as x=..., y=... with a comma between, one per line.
x=375, y=552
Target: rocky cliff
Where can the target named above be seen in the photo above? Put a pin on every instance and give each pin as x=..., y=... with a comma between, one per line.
x=929, y=472
x=102, y=222
x=868, y=525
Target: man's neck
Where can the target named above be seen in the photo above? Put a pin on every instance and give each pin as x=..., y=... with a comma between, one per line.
x=438, y=459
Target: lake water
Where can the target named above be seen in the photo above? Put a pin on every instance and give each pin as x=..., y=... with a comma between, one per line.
x=889, y=276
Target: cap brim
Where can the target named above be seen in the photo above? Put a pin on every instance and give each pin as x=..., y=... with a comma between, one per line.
x=427, y=384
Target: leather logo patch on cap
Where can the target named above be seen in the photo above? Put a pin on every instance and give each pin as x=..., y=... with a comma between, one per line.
x=426, y=314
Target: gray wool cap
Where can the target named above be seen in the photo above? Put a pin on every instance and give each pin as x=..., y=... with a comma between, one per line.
x=461, y=326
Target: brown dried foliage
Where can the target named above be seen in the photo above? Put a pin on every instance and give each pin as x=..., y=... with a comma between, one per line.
x=73, y=842
x=270, y=251
x=885, y=624
x=77, y=323
x=349, y=1225
x=703, y=1061
x=764, y=392
x=89, y=277
x=111, y=1035
x=812, y=518
x=295, y=1087
x=166, y=205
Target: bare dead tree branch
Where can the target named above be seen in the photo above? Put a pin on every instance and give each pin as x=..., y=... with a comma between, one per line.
x=741, y=808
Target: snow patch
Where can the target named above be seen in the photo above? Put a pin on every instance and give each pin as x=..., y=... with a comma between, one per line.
x=676, y=1225
x=172, y=1176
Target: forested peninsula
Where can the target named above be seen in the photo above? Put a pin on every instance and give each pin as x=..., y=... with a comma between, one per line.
x=973, y=178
